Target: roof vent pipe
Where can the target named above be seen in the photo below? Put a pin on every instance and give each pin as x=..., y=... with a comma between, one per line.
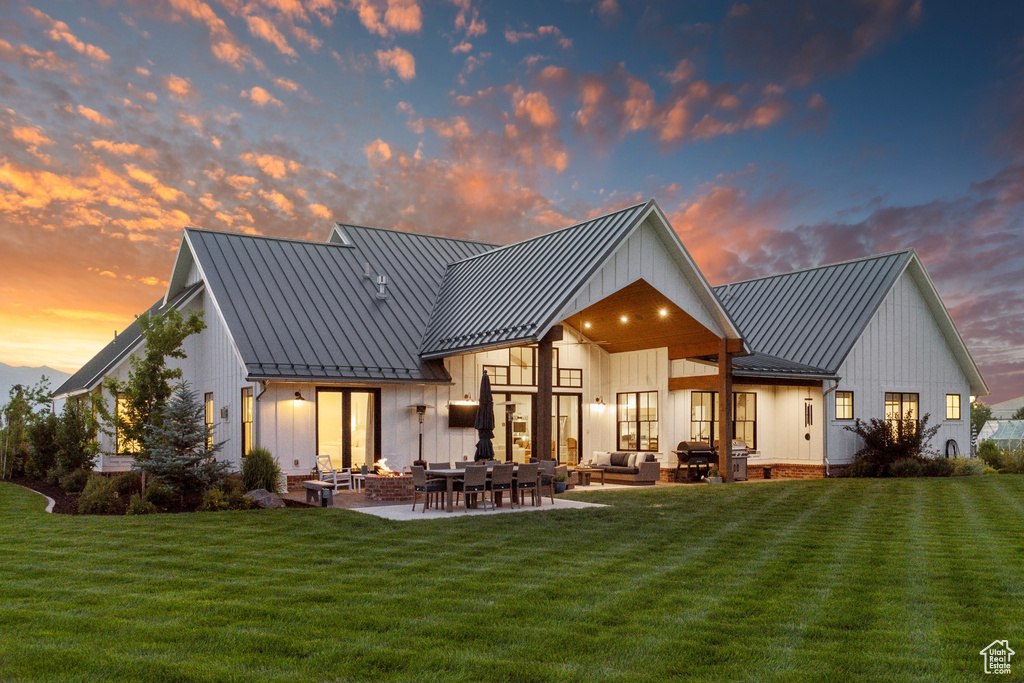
x=366, y=271
x=382, y=287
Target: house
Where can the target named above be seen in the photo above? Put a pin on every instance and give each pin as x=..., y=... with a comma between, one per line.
x=606, y=326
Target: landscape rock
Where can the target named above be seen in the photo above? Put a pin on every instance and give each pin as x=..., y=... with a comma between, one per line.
x=265, y=499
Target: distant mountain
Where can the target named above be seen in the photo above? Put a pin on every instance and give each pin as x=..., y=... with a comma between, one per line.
x=11, y=375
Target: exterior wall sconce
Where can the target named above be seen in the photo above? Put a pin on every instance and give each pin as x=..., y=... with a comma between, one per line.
x=298, y=397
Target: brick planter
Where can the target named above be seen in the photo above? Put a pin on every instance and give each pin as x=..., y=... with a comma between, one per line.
x=389, y=489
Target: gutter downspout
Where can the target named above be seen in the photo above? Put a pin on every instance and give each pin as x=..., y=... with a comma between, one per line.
x=256, y=437
x=825, y=425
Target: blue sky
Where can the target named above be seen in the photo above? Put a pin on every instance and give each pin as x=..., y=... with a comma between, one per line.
x=775, y=134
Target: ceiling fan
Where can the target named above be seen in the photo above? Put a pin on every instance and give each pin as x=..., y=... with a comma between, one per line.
x=580, y=338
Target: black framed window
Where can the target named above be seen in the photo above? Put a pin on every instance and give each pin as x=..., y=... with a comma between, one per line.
x=521, y=370
x=208, y=406
x=247, y=442
x=844, y=405
x=901, y=406
x=637, y=417
x=704, y=422
x=952, y=406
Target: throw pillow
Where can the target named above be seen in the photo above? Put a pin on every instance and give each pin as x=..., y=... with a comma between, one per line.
x=602, y=458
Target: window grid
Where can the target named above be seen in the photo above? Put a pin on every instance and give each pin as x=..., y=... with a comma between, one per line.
x=952, y=406
x=637, y=416
x=844, y=405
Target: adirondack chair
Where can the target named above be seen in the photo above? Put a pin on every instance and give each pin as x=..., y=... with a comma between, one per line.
x=335, y=475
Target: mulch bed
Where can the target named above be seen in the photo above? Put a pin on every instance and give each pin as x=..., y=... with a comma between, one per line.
x=65, y=504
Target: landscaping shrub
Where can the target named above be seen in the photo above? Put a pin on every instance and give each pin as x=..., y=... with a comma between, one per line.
x=990, y=453
x=860, y=467
x=138, y=506
x=939, y=467
x=214, y=500
x=886, y=441
x=1012, y=461
x=158, y=494
x=53, y=477
x=74, y=482
x=99, y=497
x=234, y=490
x=990, y=470
x=963, y=467
x=906, y=467
x=260, y=471
x=128, y=484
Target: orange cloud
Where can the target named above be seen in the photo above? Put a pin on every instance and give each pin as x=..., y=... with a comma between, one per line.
x=261, y=28
x=274, y=166
x=33, y=59
x=402, y=61
x=180, y=88
x=261, y=97
x=535, y=108
x=61, y=32
x=401, y=16
x=94, y=116
x=377, y=151
x=124, y=149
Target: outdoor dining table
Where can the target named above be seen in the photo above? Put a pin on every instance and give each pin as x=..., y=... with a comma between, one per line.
x=450, y=476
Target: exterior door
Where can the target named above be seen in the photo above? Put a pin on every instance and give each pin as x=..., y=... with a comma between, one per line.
x=566, y=425
x=348, y=426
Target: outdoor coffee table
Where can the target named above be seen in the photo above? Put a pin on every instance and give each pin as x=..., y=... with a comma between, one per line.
x=586, y=472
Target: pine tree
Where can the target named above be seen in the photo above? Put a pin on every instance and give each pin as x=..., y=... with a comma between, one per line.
x=177, y=446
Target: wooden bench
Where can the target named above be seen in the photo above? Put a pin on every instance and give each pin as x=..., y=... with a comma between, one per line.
x=321, y=491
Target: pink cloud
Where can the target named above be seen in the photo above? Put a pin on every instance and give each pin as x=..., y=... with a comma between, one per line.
x=398, y=59
x=261, y=98
x=61, y=32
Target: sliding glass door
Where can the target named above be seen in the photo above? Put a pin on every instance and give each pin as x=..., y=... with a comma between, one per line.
x=514, y=427
x=348, y=426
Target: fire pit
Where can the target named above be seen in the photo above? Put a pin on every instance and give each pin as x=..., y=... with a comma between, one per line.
x=388, y=485
x=389, y=489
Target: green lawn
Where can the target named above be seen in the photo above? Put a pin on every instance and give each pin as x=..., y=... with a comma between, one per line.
x=818, y=580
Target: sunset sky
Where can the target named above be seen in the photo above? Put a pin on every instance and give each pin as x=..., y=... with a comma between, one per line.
x=776, y=135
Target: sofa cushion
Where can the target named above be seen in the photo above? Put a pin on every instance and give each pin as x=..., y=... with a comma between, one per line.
x=650, y=458
x=621, y=470
x=602, y=458
x=621, y=459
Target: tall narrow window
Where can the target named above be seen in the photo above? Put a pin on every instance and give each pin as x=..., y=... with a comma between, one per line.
x=844, y=405
x=522, y=361
x=637, y=415
x=246, y=421
x=952, y=406
x=745, y=418
x=208, y=402
x=125, y=445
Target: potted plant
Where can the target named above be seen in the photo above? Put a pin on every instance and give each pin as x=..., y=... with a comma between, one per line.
x=561, y=480
x=714, y=475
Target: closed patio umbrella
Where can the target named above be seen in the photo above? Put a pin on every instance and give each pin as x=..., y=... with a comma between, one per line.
x=485, y=421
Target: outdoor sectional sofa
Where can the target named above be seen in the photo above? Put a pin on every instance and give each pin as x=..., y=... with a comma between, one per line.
x=624, y=467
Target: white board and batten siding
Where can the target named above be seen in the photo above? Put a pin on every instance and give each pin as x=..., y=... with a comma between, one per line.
x=781, y=429
x=902, y=350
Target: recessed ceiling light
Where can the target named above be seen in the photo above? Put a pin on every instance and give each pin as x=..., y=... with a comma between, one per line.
x=663, y=312
x=624, y=319
x=586, y=326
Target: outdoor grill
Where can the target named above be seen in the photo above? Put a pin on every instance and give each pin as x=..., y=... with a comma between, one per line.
x=697, y=457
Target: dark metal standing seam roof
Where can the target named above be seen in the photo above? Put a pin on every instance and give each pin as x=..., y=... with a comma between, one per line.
x=507, y=295
x=90, y=374
x=811, y=317
x=304, y=310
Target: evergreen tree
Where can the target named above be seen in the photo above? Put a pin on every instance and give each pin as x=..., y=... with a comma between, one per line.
x=176, y=446
x=1018, y=414
x=980, y=414
x=75, y=438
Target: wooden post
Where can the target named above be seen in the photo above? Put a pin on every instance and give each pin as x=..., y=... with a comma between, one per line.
x=725, y=410
x=542, y=433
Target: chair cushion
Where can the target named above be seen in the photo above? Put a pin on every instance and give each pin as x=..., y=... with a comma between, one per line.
x=620, y=459
x=602, y=458
x=621, y=470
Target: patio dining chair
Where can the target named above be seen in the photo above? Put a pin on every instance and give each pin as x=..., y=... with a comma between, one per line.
x=501, y=480
x=339, y=476
x=462, y=464
x=473, y=482
x=526, y=480
x=439, y=465
x=548, y=470
x=428, y=487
